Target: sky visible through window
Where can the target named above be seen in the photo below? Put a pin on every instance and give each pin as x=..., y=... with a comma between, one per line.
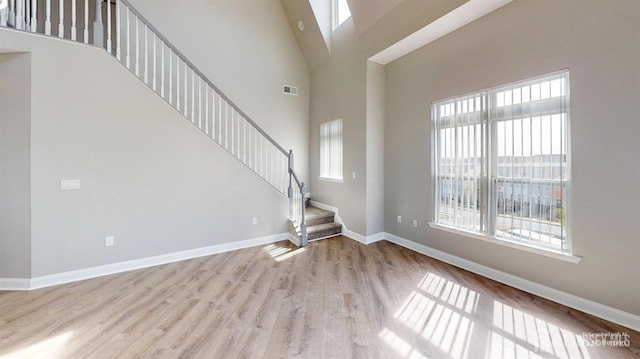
x=342, y=12
x=525, y=136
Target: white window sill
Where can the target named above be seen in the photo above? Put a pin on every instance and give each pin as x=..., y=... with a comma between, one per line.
x=531, y=249
x=337, y=180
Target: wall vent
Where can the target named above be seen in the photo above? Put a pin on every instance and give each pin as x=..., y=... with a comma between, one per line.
x=290, y=90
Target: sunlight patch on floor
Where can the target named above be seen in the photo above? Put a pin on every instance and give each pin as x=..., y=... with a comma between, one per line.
x=521, y=335
x=398, y=345
x=441, y=311
x=282, y=253
x=49, y=348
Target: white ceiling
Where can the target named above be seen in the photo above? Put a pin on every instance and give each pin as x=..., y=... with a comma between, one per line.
x=366, y=12
x=388, y=29
x=462, y=15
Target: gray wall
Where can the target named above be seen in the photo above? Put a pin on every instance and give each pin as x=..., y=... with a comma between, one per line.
x=338, y=90
x=598, y=42
x=248, y=50
x=15, y=179
x=375, y=147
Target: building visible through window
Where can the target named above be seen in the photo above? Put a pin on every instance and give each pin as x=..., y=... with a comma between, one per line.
x=501, y=162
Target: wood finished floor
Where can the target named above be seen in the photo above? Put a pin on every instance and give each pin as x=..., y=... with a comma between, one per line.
x=335, y=298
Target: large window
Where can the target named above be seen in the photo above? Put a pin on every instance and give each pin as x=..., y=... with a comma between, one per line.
x=501, y=162
x=331, y=150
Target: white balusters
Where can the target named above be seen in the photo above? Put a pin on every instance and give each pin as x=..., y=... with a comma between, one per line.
x=206, y=109
x=213, y=114
x=12, y=13
x=146, y=54
x=60, y=18
x=85, y=33
x=4, y=16
x=20, y=14
x=178, y=83
x=47, y=18
x=200, y=102
x=184, y=110
x=74, y=31
x=118, y=39
x=109, y=43
x=193, y=96
x=170, y=77
x=98, y=28
x=128, y=39
x=162, y=69
x=214, y=117
x=155, y=65
x=135, y=18
x=34, y=15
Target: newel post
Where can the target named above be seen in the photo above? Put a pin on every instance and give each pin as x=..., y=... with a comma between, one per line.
x=303, y=225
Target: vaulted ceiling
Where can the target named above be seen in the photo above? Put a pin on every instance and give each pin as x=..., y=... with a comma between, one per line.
x=381, y=24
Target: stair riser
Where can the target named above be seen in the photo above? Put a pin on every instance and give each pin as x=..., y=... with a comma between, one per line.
x=319, y=220
x=327, y=233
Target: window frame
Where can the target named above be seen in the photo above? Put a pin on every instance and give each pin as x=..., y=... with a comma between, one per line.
x=488, y=191
x=335, y=14
x=332, y=168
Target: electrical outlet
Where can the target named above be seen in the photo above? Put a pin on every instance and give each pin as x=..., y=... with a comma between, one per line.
x=415, y=223
x=109, y=241
x=353, y=175
x=399, y=219
x=254, y=220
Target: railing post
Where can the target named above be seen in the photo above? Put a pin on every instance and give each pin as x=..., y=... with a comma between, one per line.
x=74, y=18
x=60, y=18
x=109, y=35
x=47, y=18
x=19, y=15
x=303, y=226
x=290, y=189
x=118, y=47
x=34, y=16
x=11, y=19
x=98, y=27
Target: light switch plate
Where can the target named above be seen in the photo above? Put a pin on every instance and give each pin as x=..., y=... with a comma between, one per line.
x=69, y=184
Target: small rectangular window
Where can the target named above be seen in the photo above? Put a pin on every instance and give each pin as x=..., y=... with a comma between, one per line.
x=500, y=161
x=331, y=150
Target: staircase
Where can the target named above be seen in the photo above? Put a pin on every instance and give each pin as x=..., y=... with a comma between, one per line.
x=319, y=224
x=118, y=28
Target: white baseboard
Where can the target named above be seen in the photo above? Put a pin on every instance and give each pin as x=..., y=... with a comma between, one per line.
x=87, y=273
x=14, y=284
x=345, y=230
x=611, y=314
x=364, y=239
x=375, y=237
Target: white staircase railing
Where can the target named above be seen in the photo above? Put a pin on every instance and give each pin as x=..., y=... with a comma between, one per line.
x=297, y=205
x=116, y=26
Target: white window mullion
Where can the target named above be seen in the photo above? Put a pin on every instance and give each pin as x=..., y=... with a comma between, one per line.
x=492, y=168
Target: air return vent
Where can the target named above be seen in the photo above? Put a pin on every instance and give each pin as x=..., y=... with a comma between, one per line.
x=290, y=90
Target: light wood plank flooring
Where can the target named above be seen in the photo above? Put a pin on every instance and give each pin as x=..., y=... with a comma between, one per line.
x=335, y=298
